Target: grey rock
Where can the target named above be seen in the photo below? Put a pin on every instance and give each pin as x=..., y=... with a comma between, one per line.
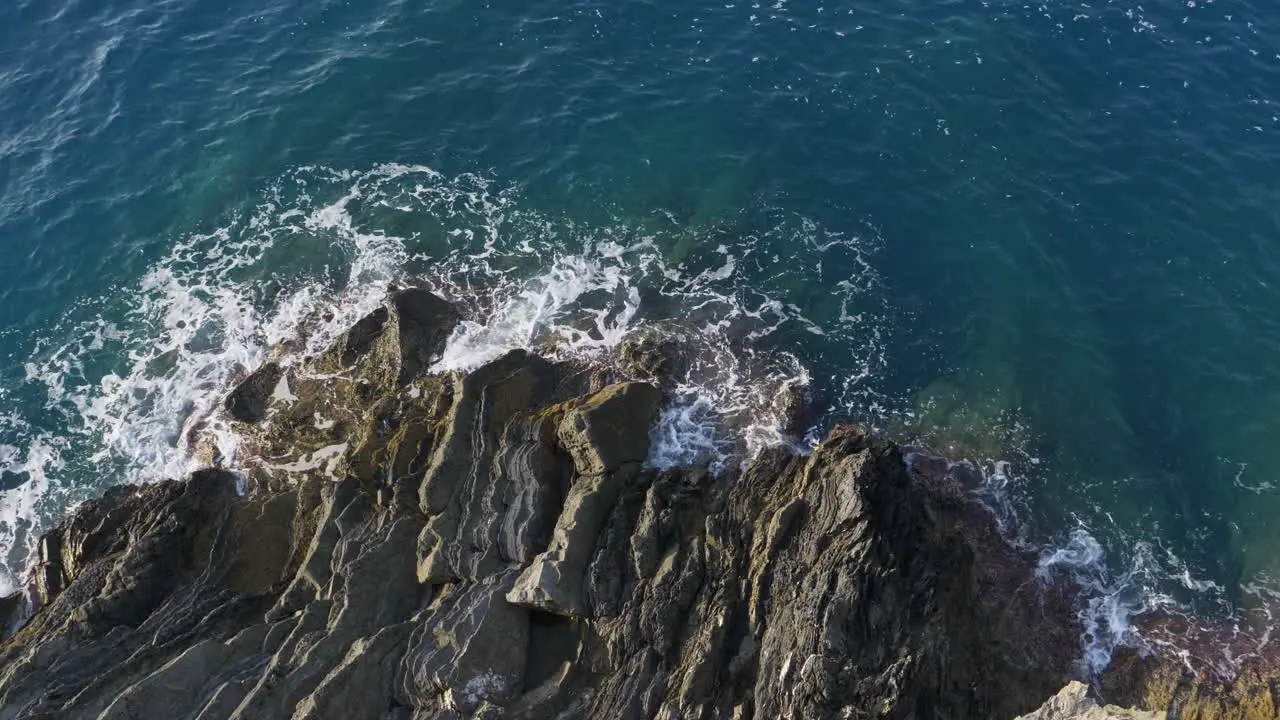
x=469, y=650
x=13, y=613
x=398, y=341
x=553, y=581
x=610, y=427
x=648, y=356
x=465, y=491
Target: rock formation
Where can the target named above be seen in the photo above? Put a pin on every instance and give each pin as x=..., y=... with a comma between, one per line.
x=1073, y=703
x=404, y=545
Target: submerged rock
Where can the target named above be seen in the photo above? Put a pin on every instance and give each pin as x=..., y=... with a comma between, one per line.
x=647, y=357
x=490, y=545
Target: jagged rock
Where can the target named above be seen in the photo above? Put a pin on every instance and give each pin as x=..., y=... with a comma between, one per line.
x=1073, y=703
x=12, y=613
x=553, y=581
x=465, y=491
x=607, y=435
x=490, y=545
x=790, y=407
x=647, y=356
x=344, y=406
x=469, y=649
x=249, y=401
x=610, y=427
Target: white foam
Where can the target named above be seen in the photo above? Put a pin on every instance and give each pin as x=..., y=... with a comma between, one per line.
x=688, y=433
x=1108, y=602
x=1080, y=551
x=21, y=507
x=541, y=310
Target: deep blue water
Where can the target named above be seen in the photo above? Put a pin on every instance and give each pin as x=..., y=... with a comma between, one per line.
x=1041, y=235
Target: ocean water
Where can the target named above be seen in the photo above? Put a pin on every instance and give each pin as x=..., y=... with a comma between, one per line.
x=1043, y=237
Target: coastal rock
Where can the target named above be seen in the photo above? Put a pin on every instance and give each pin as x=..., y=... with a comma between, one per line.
x=790, y=407
x=1073, y=703
x=610, y=427
x=552, y=582
x=365, y=405
x=469, y=649
x=248, y=402
x=400, y=339
x=648, y=357
x=12, y=612
x=490, y=545
x=1184, y=688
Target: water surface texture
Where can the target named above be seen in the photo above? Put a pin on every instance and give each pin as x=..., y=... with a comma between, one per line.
x=1042, y=236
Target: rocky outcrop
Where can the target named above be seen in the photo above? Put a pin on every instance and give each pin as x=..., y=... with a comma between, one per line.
x=1073, y=703
x=491, y=545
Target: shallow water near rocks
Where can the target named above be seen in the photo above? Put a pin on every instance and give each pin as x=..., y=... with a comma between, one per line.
x=1036, y=235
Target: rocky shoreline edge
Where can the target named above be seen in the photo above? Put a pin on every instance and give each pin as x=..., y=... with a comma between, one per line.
x=397, y=544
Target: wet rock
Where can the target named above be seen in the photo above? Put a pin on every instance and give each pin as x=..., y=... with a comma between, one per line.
x=791, y=408
x=12, y=613
x=249, y=401
x=647, y=356
x=425, y=323
x=398, y=341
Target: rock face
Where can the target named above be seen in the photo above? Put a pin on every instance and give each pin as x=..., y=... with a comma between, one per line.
x=491, y=545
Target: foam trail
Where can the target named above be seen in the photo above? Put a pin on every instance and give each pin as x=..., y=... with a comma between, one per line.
x=21, y=507
x=1108, y=609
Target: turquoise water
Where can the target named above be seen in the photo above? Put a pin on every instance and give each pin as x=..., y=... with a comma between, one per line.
x=1039, y=235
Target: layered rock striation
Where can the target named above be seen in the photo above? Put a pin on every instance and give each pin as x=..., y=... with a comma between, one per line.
x=398, y=544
